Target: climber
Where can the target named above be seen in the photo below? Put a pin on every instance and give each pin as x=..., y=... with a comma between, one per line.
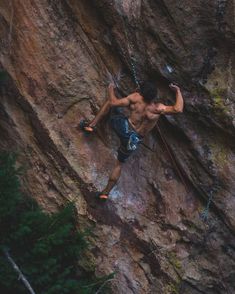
x=145, y=111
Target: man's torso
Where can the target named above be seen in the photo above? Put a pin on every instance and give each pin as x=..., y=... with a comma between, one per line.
x=143, y=117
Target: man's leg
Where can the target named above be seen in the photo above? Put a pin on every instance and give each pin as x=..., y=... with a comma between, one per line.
x=123, y=154
x=114, y=176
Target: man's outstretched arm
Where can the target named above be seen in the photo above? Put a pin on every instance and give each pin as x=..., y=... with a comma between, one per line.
x=179, y=104
x=114, y=101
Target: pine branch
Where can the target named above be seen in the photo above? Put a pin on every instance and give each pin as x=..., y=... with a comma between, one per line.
x=16, y=268
x=102, y=286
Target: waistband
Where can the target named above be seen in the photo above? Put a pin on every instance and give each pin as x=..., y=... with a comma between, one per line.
x=133, y=129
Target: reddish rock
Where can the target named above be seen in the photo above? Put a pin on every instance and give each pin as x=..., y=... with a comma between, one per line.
x=59, y=56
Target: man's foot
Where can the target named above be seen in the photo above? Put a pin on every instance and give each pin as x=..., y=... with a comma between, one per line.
x=85, y=127
x=102, y=196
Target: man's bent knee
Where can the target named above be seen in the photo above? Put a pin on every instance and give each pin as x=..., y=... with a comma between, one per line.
x=123, y=155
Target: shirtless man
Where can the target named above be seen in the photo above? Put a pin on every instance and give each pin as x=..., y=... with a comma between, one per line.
x=144, y=114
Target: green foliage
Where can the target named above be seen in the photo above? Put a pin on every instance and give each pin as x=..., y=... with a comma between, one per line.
x=217, y=95
x=45, y=247
x=174, y=261
x=172, y=289
x=3, y=76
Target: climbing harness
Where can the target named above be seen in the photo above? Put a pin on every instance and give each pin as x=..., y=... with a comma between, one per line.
x=133, y=142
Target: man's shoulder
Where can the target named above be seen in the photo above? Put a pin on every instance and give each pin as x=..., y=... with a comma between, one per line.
x=135, y=97
x=159, y=107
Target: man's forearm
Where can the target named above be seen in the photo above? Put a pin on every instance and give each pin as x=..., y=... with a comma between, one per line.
x=179, y=104
x=114, y=101
x=112, y=96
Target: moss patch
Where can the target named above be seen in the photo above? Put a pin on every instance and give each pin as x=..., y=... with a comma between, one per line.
x=217, y=95
x=172, y=288
x=219, y=154
x=174, y=261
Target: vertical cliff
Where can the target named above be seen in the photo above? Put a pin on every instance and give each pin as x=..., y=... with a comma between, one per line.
x=58, y=57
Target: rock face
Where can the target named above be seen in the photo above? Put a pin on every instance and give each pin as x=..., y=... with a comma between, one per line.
x=60, y=57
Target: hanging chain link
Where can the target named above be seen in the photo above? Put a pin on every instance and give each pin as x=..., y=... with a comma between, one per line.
x=130, y=50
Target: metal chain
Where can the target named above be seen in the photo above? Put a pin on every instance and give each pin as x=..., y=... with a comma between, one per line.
x=130, y=51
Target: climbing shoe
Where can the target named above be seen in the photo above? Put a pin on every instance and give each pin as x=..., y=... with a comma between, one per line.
x=84, y=126
x=102, y=196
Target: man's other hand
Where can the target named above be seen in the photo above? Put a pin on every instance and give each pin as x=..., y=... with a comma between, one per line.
x=174, y=87
x=111, y=86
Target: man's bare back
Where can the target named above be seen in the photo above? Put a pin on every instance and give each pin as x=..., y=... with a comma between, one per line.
x=144, y=114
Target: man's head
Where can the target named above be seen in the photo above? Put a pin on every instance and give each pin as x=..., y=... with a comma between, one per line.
x=149, y=92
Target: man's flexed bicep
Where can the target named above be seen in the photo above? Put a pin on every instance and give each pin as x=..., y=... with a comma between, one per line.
x=114, y=101
x=177, y=107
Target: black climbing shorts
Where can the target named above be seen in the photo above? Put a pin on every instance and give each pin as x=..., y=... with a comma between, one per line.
x=129, y=138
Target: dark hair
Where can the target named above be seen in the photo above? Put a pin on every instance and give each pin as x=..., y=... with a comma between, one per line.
x=149, y=91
